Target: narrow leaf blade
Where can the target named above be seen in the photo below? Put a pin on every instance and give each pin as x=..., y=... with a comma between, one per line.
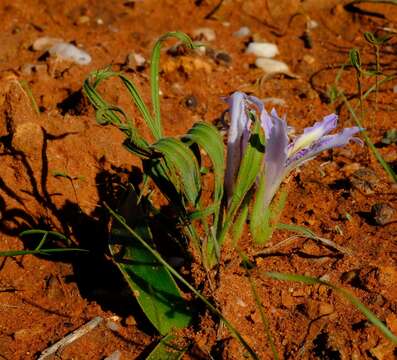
x=154, y=287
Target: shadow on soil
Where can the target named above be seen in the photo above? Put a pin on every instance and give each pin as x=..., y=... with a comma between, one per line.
x=97, y=278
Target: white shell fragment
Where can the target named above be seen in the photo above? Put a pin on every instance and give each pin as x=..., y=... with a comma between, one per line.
x=67, y=51
x=312, y=24
x=262, y=49
x=139, y=59
x=242, y=32
x=44, y=43
x=61, y=49
x=271, y=66
x=208, y=34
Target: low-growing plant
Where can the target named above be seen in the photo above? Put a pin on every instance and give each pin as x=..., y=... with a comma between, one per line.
x=261, y=152
x=40, y=248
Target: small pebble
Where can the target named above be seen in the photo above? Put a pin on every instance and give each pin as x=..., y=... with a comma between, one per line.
x=63, y=50
x=242, y=32
x=312, y=24
x=84, y=19
x=365, y=180
x=270, y=66
x=177, y=89
x=223, y=58
x=382, y=213
x=262, y=49
x=27, y=69
x=112, y=325
x=240, y=302
x=204, y=33
x=199, y=49
x=308, y=59
x=190, y=102
x=66, y=51
x=177, y=50
x=44, y=43
x=139, y=59
x=130, y=321
x=134, y=61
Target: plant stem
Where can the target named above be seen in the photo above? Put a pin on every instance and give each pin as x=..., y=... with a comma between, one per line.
x=376, y=76
x=368, y=141
x=360, y=91
x=263, y=316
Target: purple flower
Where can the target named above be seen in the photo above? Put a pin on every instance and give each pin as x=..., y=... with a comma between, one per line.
x=239, y=132
x=282, y=156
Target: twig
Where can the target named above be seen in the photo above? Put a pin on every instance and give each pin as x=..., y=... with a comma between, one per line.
x=68, y=339
x=214, y=10
x=290, y=240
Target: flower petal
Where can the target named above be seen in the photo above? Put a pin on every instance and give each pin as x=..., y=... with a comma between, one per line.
x=265, y=118
x=275, y=157
x=325, y=143
x=313, y=133
x=238, y=137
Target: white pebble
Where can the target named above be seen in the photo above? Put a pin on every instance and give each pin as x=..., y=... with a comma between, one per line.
x=207, y=33
x=242, y=32
x=199, y=49
x=262, y=49
x=395, y=88
x=271, y=66
x=67, y=51
x=62, y=49
x=240, y=302
x=44, y=43
x=312, y=24
x=139, y=59
x=112, y=325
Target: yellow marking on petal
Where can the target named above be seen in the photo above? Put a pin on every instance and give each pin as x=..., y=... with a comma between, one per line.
x=305, y=140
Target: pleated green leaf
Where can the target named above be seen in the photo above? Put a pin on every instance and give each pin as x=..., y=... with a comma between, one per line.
x=109, y=114
x=209, y=139
x=177, y=168
x=251, y=166
x=264, y=220
x=154, y=75
x=152, y=284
